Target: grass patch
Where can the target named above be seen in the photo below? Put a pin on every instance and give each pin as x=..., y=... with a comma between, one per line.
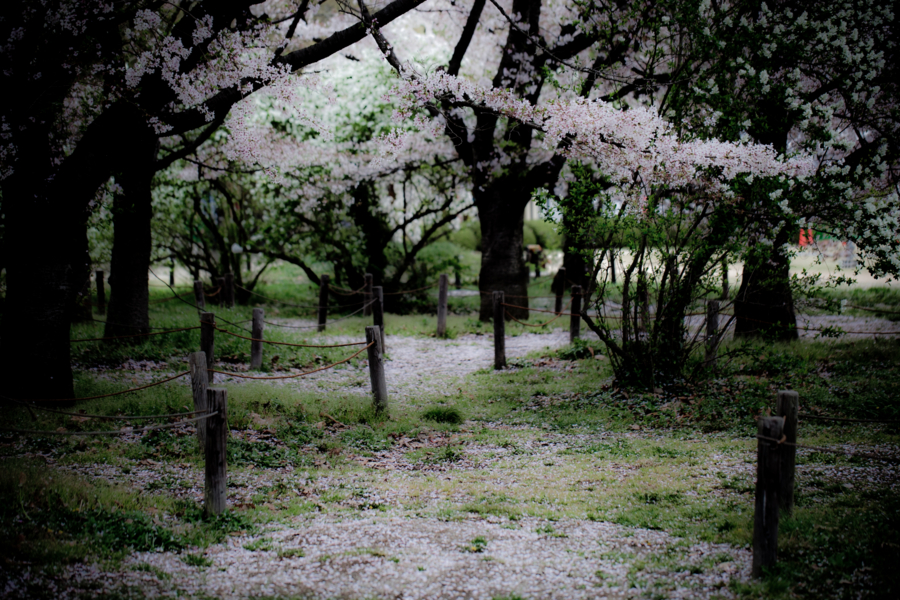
x=443, y=414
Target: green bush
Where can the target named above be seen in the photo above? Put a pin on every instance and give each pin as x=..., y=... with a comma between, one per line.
x=443, y=414
x=543, y=233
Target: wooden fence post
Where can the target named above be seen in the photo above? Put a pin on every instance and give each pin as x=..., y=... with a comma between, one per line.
x=559, y=288
x=216, y=489
x=199, y=385
x=367, y=294
x=220, y=293
x=712, y=332
x=499, y=330
x=768, y=480
x=199, y=297
x=228, y=291
x=208, y=340
x=323, y=302
x=612, y=265
x=256, y=346
x=378, y=312
x=725, y=290
x=101, y=293
x=788, y=407
x=575, y=320
x=442, y=306
x=376, y=368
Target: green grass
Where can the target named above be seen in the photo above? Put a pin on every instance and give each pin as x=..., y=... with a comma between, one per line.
x=551, y=438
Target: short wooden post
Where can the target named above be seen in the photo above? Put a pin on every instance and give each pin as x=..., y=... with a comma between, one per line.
x=712, y=332
x=199, y=385
x=216, y=489
x=499, y=330
x=612, y=265
x=208, y=340
x=199, y=297
x=443, y=283
x=788, y=407
x=768, y=480
x=559, y=288
x=376, y=368
x=257, y=335
x=378, y=312
x=219, y=297
x=228, y=291
x=101, y=293
x=575, y=320
x=643, y=299
x=725, y=290
x=367, y=294
x=323, y=302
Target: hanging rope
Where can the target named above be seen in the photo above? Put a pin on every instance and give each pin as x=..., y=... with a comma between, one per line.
x=288, y=343
x=242, y=376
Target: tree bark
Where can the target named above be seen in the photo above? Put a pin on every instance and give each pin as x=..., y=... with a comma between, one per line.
x=503, y=267
x=128, y=312
x=47, y=235
x=765, y=304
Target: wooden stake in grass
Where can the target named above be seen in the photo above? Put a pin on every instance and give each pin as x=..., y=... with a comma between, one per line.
x=323, y=302
x=256, y=346
x=216, y=488
x=559, y=288
x=788, y=407
x=378, y=312
x=101, y=293
x=712, y=332
x=768, y=482
x=219, y=297
x=199, y=385
x=575, y=319
x=208, y=339
x=228, y=291
x=199, y=297
x=442, y=306
x=367, y=294
x=376, y=368
x=499, y=330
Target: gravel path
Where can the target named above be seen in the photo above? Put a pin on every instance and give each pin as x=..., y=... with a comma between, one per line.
x=393, y=552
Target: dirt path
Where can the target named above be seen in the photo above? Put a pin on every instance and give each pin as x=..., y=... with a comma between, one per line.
x=398, y=530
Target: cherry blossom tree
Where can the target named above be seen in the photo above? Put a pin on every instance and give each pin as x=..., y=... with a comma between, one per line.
x=817, y=78
x=120, y=89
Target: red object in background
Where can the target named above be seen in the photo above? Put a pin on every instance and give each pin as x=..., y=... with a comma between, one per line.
x=806, y=237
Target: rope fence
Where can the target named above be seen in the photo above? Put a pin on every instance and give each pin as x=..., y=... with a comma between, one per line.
x=294, y=376
x=134, y=335
x=110, y=395
x=243, y=337
x=125, y=431
x=783, y=441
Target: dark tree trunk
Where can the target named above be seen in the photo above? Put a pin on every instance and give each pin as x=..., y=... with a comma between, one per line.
x=577, y=268
x=503, y=266
x=765, y=305
x=128, y=311
x=46, y=241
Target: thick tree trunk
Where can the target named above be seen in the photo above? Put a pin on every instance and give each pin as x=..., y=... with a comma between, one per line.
x=765, y=305
x=46, y=245
x=503, y=266
x=128, y=311
x=46, y=242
